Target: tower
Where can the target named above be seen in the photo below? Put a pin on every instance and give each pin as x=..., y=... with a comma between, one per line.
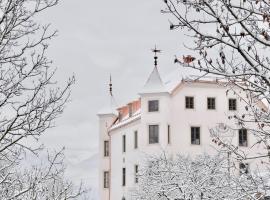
x=106, y=115
x=155, y=106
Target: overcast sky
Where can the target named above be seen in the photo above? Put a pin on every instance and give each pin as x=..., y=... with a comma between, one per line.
x=96, y=38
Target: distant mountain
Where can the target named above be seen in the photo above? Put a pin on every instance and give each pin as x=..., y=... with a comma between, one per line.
x=87, y=172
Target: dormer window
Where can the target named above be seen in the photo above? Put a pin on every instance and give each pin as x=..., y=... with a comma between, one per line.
x=119, y=116
x=130, y=110
x=153, y=106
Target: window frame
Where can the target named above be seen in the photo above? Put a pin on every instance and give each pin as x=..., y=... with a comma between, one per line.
x=169, y=134
x=124, y=176
x=106, y=148
x=130, y=110
x=191, y=135
x=120, y=116
x=229, y=106
x=136, y=171
x=151, y=101
x=186, y=102
x=106, y=179
x=211, y=98
x=153, y=125
x=241, y=168
x=136, y=139
x=124, y=146
x=241, y=133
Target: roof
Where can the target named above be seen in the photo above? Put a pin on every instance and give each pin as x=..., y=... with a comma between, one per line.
x=154, y=84
x=173, y=79
x=109, y=108
x=118, y=124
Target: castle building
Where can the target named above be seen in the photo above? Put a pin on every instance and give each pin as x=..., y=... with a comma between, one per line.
x=175, y=118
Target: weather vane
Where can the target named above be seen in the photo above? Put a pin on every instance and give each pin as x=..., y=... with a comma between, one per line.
x=156, y=51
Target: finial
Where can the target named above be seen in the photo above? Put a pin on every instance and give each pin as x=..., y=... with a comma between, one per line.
x=110, y=85
x=155, y=50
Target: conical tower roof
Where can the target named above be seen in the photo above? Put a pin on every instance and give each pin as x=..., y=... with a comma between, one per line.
x=154, y=83
x=109, y=108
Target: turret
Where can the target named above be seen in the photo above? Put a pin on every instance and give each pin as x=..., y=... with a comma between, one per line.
x=107, y=115
x=155, y=108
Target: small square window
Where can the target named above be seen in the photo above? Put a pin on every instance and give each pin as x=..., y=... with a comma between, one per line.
x=153, y=134
x=195, y=135
x=242, y=133
x=190, y=102
x=153, y=106
x=211, y=103
x=243, y=168
x=232, y=104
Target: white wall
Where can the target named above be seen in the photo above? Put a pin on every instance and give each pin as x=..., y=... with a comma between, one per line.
x=105, y=122
x=128, y=159
x=172, y=111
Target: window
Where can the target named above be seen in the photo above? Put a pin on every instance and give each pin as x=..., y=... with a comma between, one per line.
x=242, y=133
x=124, y=177
x=106, y=148
x=120, y=116
x=130, y=110
x=195, y=135
x=135, y=139
x=169, y=134
x=189, y=102
x=211, y=103
x=136, y=169
x=153, y=106
x=106, y=180
x=124, y=143
x=243, y=168
x=153, y=134
x=232, y=104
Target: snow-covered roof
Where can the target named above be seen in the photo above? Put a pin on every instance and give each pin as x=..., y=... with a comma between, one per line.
x=154, y=84
x=109, y=108
x=126, y=121
x=173, y=79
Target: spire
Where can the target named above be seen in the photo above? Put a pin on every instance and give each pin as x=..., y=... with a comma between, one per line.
x=154, y=83
x=110, y=108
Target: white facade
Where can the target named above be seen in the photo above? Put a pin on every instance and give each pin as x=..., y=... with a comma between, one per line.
x=174, y=121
